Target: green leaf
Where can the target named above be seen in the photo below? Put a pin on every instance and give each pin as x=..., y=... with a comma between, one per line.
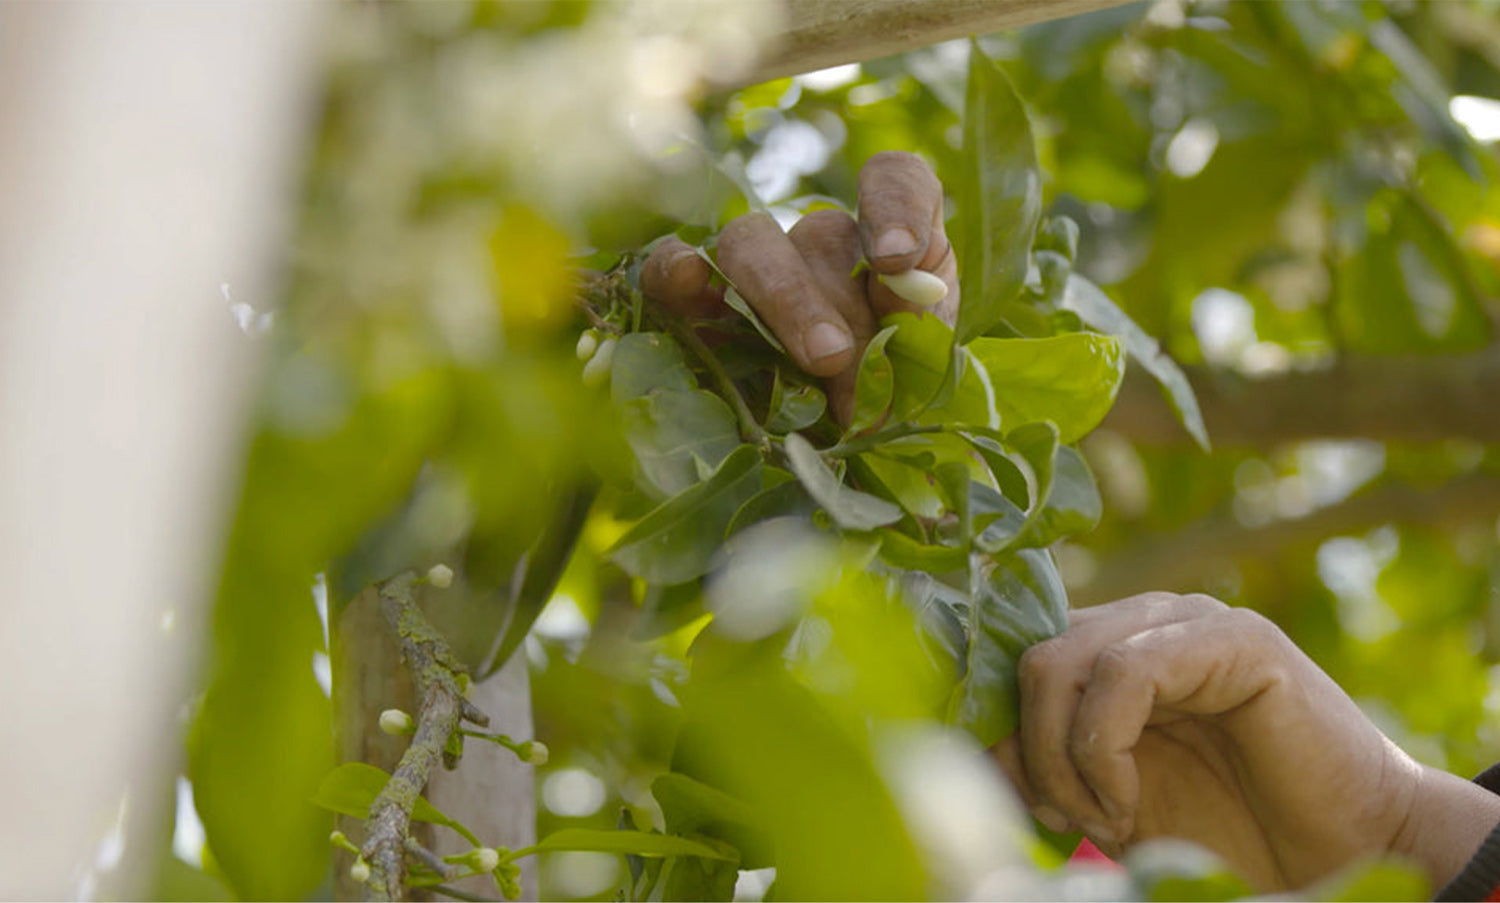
x=1033, y=449
x=634, y=843
x=676, y=541
x=670, y=430
x=850, y=508
x=1423, y=95
x=942, y=614
x=953, y=477
x=782, y=500
x=902, y=551
x=906, y=479
x=351, y=788
x=666, y=608
x=1069, y=379
x=1099, y=311
x=644, y=361
x=737, y=302
x=921, y=356
x=689, y=806
x=998, y=519
x=875, y=384
x=544, y=563
x=794, y=407
x=1072, y=506
x=1000, y=196
x=763, y=736
x=1009, y=478
x=1016, y=603
x=695, y=878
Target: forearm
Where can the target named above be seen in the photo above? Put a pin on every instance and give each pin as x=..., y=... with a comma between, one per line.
x=1449, y=819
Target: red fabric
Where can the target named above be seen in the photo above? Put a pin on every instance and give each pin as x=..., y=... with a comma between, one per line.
x=1494, y=896
x=1087, y=852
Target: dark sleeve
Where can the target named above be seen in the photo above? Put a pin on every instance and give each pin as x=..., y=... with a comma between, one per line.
x=1480, y=879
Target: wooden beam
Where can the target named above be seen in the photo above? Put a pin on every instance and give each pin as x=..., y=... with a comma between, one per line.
x=823, y=33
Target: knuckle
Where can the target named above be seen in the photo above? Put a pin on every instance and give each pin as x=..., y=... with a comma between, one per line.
x=1115, y=663
x=742, y=230
x=1201, y=602
x=826, y=221
x=1037, y=662
x=1248, y=623
x=825, y=231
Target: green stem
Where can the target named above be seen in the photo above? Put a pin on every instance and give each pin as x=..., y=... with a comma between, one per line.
x=885, y=434
x=520, y=854
x=750, y=428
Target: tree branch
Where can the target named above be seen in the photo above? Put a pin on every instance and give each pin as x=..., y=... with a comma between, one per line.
x=1415, y=399
x=818, y=34
x=435, y=672
x=1183, y=561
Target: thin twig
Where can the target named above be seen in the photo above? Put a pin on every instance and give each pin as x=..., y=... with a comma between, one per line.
x=446, y=870
x=457, y=894
x=434, y=670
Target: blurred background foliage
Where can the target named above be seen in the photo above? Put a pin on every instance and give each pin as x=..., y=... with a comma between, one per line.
x=1300, y=200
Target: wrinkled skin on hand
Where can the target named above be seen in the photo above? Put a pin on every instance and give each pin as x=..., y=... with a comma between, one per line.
x=799, y=282
x=1177, y=716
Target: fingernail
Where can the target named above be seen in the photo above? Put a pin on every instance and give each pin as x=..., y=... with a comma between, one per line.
x=825, y=340
x=1053, y=819
x=894, y=242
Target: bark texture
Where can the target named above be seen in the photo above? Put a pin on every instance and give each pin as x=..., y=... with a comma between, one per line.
x=823, y=33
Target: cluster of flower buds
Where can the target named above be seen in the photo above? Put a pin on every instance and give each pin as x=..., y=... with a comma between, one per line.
x=597, y=355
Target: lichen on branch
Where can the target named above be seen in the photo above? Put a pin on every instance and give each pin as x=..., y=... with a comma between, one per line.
x=439, y=678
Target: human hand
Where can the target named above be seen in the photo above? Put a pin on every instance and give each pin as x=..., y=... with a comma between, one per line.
x=799, y=282
x=1165, y=715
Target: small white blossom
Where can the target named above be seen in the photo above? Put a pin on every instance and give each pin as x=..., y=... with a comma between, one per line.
x=396, y=722
x=596, y=371
x=588, y=343
x=485, y=859
x=440, y=576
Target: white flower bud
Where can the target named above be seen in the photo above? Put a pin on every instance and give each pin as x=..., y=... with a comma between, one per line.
x=916, y=286
x=440, y=576
x=533, y=753
x=396, y=722
x=359, y=872
x=588, y=343
x=596, y=371
x=485, y=859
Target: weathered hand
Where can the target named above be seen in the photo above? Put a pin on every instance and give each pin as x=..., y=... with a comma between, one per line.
x=799, y=282
x=1166, y=715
